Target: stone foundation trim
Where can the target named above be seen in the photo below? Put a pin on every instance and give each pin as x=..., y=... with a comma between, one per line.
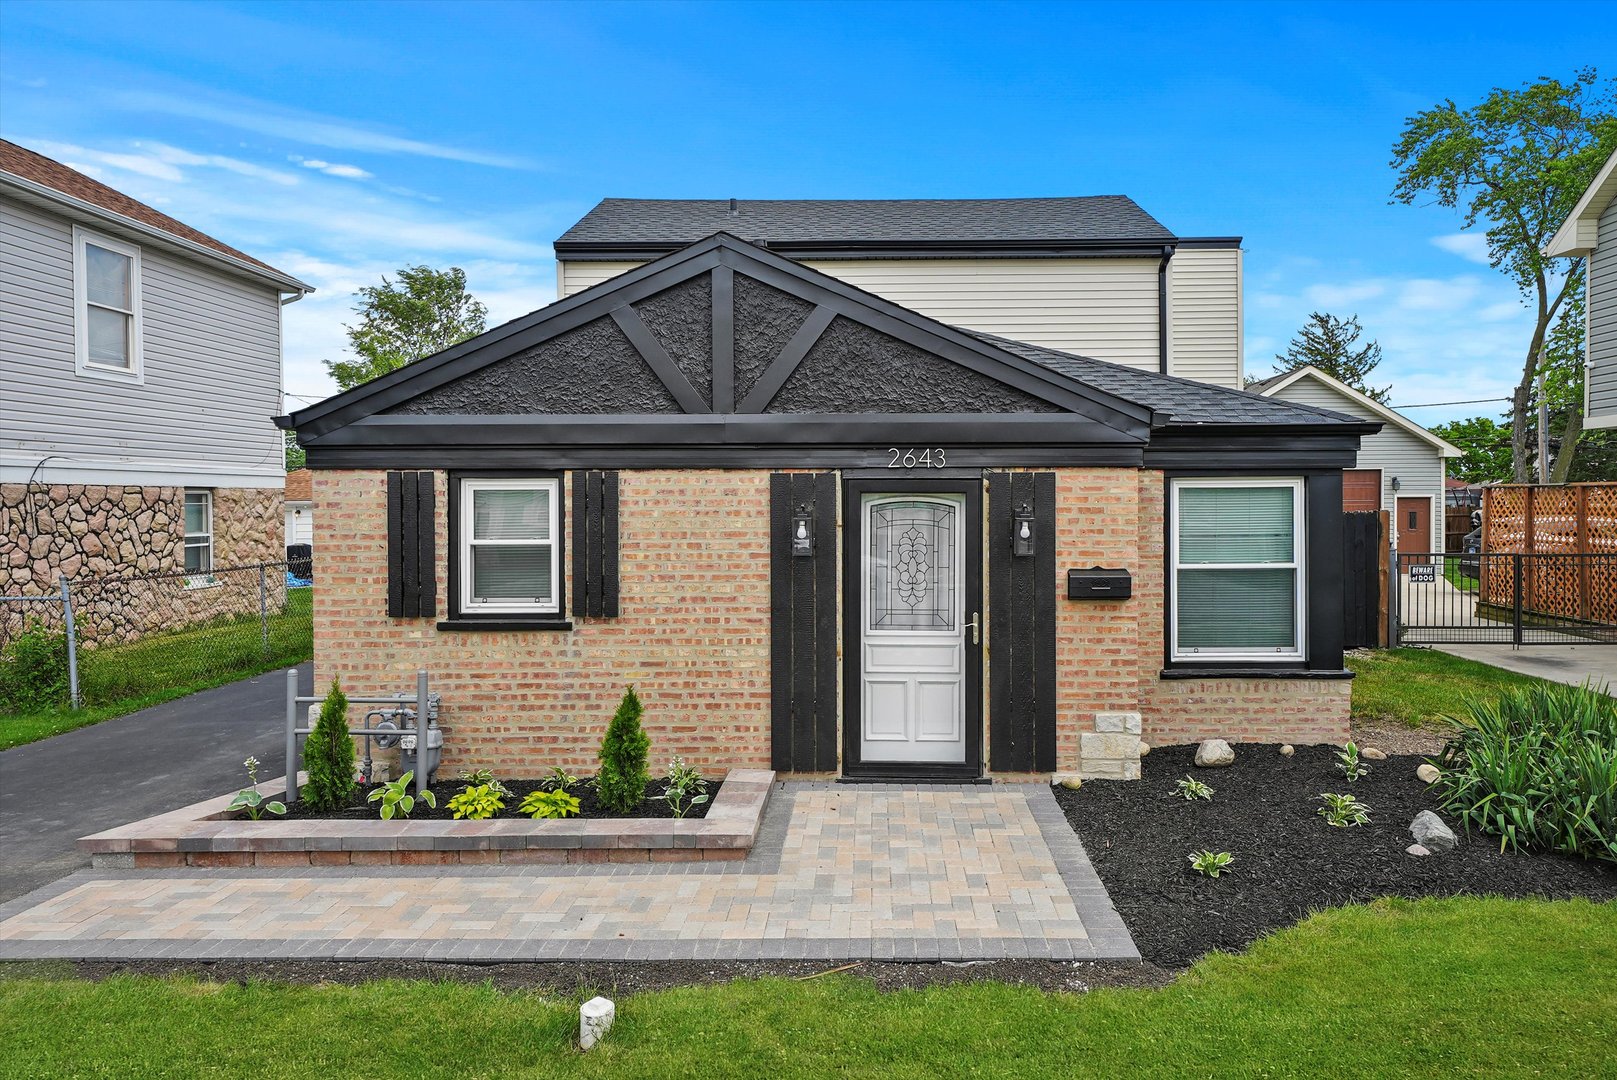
x=1112, y=750
x=200, y=835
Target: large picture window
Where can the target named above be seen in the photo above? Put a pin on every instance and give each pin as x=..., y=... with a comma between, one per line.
x=106, y=290
x=508, y=552
x=1237, y=560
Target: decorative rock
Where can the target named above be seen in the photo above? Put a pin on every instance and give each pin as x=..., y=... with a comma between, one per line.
x=1430, y=832
x=1214, y=754
x=1416, y=850
x=1287, y=750
x=595, y=1018
x=1145, y=748
x=1071, y=783
x=1370, y=753
x=1428, y=772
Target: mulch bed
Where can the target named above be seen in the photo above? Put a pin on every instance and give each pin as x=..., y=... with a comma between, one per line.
x=653, y=806
x=1288, y=862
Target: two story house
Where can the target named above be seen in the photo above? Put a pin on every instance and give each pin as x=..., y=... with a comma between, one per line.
x=1590, y=232
x=140, y=363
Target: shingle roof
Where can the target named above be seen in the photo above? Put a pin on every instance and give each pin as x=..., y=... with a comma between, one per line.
x=786, y=221
x=1185, y=401
x=23, y=162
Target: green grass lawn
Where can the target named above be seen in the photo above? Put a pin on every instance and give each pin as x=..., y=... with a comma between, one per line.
x=1421, y=686
x=1431, y=988
x=120, y=679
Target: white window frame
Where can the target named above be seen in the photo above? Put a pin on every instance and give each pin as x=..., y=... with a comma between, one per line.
x=201, y=578
x=1298, y=563
x=136, y=371
x=469, y=605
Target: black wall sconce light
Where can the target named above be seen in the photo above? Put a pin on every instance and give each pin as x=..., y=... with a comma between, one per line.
x=802, y=532
x=1397, y=484
x=1022, y=531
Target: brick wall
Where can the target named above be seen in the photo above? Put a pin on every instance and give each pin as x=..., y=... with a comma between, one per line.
x=692, y=635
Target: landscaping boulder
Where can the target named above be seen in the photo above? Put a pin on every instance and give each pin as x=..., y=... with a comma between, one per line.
x=1372, y=754
x=1430, y=833
x=1214, y=754
x=1416, y=850
x=1145, y=748
x=1428, y=772
x=1071, y=783
x=1287, y=750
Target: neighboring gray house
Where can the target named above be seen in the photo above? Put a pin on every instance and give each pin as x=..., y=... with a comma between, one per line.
x=140, y=364
x=1591, y=231
x=1400, y=467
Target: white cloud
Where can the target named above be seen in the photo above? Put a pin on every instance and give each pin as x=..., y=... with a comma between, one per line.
x=1473, y=247
x=347, y=172
x=306, y=128
x=155, y=160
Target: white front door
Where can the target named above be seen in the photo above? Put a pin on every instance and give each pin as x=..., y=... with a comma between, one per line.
x=913, y=640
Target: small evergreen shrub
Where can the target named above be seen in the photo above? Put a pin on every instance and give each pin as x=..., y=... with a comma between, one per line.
x=33, y=670
x=621, y=782
x=328, y=756
x=1537, y=767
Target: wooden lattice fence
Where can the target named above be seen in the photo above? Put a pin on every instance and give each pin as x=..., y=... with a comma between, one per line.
x=1562, y=519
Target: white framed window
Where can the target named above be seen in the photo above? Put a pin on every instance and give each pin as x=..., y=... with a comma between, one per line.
x=509, y=559
x=199, y=537
x=106, y=298
x=1236, y=581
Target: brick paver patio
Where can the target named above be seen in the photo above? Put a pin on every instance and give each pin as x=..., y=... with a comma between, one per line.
x=838, y=872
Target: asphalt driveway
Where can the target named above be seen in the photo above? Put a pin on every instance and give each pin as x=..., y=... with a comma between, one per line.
x=54, y=791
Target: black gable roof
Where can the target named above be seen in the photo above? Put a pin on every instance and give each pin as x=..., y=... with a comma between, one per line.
x=788, y=224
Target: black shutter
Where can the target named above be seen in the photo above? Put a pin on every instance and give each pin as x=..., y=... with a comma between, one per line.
x=412, y=563
x=803, y=626
x=595, y=544
x=1022, y=626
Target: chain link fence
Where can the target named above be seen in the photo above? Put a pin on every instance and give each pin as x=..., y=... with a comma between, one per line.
x=139, y=635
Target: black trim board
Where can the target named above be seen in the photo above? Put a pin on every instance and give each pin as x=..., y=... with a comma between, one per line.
x=1021, y=626
x=506, y=620
x=629, y=250
x=803, y=606
x=853, y=622
x=412, y=577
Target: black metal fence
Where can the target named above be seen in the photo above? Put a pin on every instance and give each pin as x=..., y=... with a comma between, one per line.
x=1503, y=598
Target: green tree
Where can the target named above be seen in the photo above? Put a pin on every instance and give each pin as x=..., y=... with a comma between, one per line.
x=328, y=755
x=1332, y=345
x=295, y=458
x=1487, y=449
x=425, y=312
x=621, y=782
x=1517, y=162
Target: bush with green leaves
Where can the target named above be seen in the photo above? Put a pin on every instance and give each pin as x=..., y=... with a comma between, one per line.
x=550, y=804
x=33, y=670
x=1210, y=863
x=328, y=755
x=477, y=803
x=621, y=782
x=396, y=799
x=1537, y=767
x=559, y=779
x=1343, y=811
x=474, y=777
x=1191, y=789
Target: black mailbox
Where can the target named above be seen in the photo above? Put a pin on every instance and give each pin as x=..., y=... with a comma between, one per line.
x=1099, y=583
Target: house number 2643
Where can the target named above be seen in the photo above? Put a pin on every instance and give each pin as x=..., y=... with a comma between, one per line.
x=925, y=458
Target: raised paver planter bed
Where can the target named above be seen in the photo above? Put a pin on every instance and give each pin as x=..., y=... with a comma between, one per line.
x=202, y=834
x=654, y=805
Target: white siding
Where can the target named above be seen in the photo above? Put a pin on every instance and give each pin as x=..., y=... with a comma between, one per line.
x=1602, y=315
x=574, y=276
x=212, y=369
x=1105, y=308
x=1394, y=451
x=1204, y=315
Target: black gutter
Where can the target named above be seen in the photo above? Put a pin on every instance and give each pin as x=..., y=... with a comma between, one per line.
x=1115, y=247
x=1162, y=309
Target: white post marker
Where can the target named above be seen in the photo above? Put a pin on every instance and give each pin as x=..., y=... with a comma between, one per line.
x=595, y=1018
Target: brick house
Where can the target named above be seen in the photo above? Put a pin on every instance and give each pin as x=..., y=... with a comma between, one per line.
x=823, y=532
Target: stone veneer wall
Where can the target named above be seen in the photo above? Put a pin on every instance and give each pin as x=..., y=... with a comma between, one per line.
x=692, y=634
x=92, y=533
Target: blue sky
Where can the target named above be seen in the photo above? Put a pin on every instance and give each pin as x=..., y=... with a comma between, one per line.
x=340, y=141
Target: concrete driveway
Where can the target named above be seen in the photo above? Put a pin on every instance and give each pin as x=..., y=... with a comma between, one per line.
x=1574, y=664
x=54, y=791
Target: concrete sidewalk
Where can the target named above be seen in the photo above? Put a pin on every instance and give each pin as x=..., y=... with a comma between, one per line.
x=839, y=872
x=1572, y=664
x=56, y=790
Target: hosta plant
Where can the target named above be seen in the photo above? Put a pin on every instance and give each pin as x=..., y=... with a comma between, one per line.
x=396, y=799
x=550, y=804
x=686, y=788
x=560, y=779
x=484, y=777
x=1343, y=811
x=1210, y=863
x=1191, y=788
x=1350, y=762
x=476, y=803
x=248, y=801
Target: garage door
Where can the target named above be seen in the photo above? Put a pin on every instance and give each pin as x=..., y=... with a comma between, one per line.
x=1361, y=489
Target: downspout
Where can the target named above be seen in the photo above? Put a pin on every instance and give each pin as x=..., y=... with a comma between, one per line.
x=1162, y=309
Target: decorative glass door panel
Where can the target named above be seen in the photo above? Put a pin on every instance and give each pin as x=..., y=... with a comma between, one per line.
x=913, y=638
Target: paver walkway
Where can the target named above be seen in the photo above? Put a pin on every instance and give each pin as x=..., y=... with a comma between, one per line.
x=839, y=872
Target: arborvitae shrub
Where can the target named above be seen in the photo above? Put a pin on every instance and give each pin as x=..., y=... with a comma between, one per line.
x=328, y=756
x=621, y=783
